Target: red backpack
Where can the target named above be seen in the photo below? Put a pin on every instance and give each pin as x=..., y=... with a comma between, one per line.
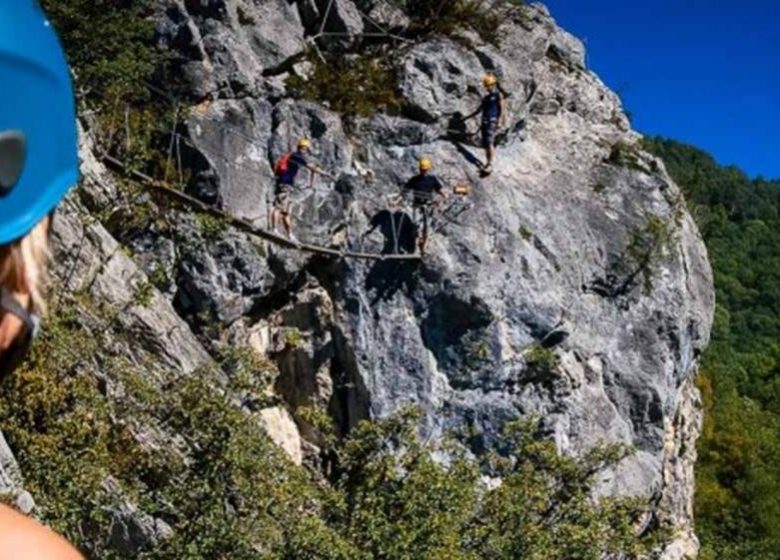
x=282, y=165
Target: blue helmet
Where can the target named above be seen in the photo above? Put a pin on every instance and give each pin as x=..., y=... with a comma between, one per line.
x=38, y=138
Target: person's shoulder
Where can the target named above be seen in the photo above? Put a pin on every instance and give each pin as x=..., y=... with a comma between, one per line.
x=21, y=537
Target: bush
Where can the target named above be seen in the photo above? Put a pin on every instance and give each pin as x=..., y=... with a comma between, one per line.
x=626, y=155
x=400, y=502
x=111, y=50
x=646, y=248
x=109, y=44
x=60, y=429
x=541, y=362
x=353, y=86
x=449, y=17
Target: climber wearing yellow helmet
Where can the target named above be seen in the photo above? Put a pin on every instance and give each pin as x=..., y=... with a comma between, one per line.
x=427, y=192
x=286, y=170
x=493, y=118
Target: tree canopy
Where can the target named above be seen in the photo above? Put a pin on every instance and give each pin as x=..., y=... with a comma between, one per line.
x=738, y=474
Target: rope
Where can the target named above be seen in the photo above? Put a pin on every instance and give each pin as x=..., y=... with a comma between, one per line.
x=170, y=146
x=243, y=224
x=325, y=18
x=127, y=129
x=178, y=159
x=383, y=32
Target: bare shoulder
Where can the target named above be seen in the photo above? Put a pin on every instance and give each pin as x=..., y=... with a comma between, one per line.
x=21, y=537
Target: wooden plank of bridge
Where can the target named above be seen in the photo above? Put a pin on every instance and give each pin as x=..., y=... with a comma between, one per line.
x=244, y=225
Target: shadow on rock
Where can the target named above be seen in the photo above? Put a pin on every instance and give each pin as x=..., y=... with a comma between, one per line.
x=399, y=232
x=386, y=278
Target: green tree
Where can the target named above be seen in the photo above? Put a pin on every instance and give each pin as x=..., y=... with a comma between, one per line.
x=109, y=43
x=737, y=504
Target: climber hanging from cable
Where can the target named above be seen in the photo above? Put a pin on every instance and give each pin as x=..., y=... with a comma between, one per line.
x=493, y=118
x=286, y=170
x=427, y=194
x=38, y=164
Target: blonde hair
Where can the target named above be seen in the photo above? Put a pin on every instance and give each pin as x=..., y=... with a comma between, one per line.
x=23, y=265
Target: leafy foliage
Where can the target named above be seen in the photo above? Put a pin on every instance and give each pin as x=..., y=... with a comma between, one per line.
x=111, y=50
x=108, y=43
x=400, y=502
x=541, y=362
x=351, y=85
x=646, y=247
x=737, y=503
x=626, y=155
x=449, y=17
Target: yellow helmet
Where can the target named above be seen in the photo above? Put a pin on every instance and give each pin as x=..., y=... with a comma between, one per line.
x=304, y=143
x=490, y=80
x=425, y=164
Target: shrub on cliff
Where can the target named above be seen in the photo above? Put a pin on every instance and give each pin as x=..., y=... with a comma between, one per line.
x=111, y=50
x=109, y=43
x=450, y=17
x=351, y=85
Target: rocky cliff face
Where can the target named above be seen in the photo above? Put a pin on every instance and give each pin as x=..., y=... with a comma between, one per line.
x=573, y=285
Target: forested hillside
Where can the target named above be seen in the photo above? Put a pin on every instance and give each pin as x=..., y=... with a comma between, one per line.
x=737, y=503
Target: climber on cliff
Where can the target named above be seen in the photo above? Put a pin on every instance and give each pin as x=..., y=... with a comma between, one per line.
x=286, y=170
x=38, y=165
x=493, y=118
x=427, y=193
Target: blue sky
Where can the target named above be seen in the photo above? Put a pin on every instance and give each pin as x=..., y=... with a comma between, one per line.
x=704, y=72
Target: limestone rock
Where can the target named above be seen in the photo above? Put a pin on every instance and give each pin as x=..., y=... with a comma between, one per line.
x=225, y=46
x=233, y=138
x=441, y=78
x=132, y=530
x=11, y=482
x=544, y=234
x=281, y=428
x=343, y=18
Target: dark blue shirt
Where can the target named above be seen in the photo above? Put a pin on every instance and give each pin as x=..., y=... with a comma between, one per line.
x=491, y=106
x=423, y=187
x=294, y=164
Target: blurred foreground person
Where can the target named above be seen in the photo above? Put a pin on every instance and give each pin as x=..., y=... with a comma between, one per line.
x=38, y=164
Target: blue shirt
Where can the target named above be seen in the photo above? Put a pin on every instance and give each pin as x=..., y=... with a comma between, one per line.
x=294, y=164
x=491, y=106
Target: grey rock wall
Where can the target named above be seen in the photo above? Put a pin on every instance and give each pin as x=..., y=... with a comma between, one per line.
x=526, y=265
